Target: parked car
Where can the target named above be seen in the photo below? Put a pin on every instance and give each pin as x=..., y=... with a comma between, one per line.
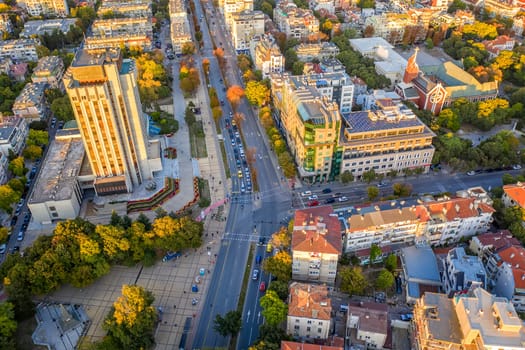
x=3, y=247
x=329, y=200
x=516, y=167
x=20, y=236
x=327, y=190
x=306, y=193
x=14, y=219
x=313, y=203
x=342, y=199
x=262, y=287
x=27, y=218
x=313, y=197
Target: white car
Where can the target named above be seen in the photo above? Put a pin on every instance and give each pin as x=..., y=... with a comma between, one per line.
x=312, y=197
x=3, y=248
x=516, y=167
x=342, y=199
x=306, y=193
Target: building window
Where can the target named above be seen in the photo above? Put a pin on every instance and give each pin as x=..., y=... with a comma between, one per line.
x=309, y=322
x=308, y=329
x=52, y=208
x=319, y=330
x=296, y=327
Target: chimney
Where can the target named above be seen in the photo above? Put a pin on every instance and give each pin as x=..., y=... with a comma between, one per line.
x=457, y=208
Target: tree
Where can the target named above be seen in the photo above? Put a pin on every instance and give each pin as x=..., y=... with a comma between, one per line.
x=401, y=189
x=364, y=4
x=7, y=198
x=352, y=280
x=375, y=253
x=4, y=234
x=176, y=234
x=385, y=280
x=281, y=239
x=62, y=109
x=346, y=177
x=456, y=5
x=373, y=192
x=33, y=152
x=391, y=262
x=37, y=137
x=17, y=166
x=281, y=288
x=230, y=324
x=7, y=324
x=257, y=93
x=298, y=68
x=132, y=319
x=369, y=175
x=188, y=49
x=42, y=51
x=234, y=95
x=279, y=265
x=17, y=184
x=274, y=309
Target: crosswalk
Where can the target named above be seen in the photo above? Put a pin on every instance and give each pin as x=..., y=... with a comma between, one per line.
x=246, y=237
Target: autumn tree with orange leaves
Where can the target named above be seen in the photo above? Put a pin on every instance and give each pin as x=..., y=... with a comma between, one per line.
x=234, y=95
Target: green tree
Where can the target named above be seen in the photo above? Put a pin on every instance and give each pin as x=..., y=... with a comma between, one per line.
x=287, y=164
x=4, y=234
x=375, y=253
x=62, y=109
x=366, y=4
x=373, y=192
x=274, y=309
x=391, y=262
x=346, y=177
x=17, y=166
x=369, y=175
x=17, y=185
x=298, y=68
x=37, y=137
x=456, y=5
x=402, y=189
x=176, y=234
x=42, y=51
x=7, y=322
x=353, y=281
x=385, y=280
x=257, y=93
x=33, y=152
x=279, y=287
x=290, y=57
x=230, y=324
x=508, y=179
x=279, y=265
x=188, y=49
x=132, y=319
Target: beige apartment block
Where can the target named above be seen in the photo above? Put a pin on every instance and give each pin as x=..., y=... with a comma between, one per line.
x=45, y=7
x=245, y=26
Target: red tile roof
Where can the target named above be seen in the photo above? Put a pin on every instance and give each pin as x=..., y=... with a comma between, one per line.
x=309, y=301
x=291, y=345
x=458, y=208
x=515, y=257
x=498, y=240
x=317, y=230
x=516, y=192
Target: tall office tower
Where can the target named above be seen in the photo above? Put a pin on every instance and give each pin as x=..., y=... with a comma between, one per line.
x=103, y=91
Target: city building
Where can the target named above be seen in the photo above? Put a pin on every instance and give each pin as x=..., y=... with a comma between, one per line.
x=48, y=26
x=327, y=6
x=18, y=72
x=326, y=65
x=13, y=135
x=368, y=324
x=291, y=345
x=4, y=168
x=5, y=24
x=115, y=32
x=506, y=9
x=420, y=272
x=31, y=103
x=230, y=7
x=5, y=65
x=311, y=125
x=309, y=309
x=316, y=245
x=387, y=138
x=514, y=195
x=50, y=70
x=56, y=193
x=245, y=25
x=502, y=42
x=19, y=49
x=387, y=61
x=475, y=320
x=103, y=91
x=131, y=8
x=295, y=22
x=306, y=52
x=35, y=8
x=266, y=55
x=410, y=26
x=461, y=271
x=180, y=27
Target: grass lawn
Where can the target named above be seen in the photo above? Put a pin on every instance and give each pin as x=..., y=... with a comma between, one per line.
x=225, y=159
x=197, y=141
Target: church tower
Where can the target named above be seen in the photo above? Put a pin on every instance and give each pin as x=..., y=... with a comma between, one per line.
x=412, y=69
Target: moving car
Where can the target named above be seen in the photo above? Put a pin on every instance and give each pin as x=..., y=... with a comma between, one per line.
x=20, y=236
x=313, y=203
x=3, y=247
x=313, y=197
x=329, y=200
x=327, y=190
x=262, y=286
x=255, y=275
x=342, y=199
x=306, y=193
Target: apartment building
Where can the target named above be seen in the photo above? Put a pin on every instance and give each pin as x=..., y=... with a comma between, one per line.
x=50, y=70
x=23, y=50
x=309, y=308
x=35, y=8
x=306, y=52
x=327, y=6
x=291, y=345
x=4, y=168
x=48, y=26
x=476, y=320
x=316, y=245
x=31, y=103
x=56, y=193
x=295, y=22
x=245, y=25
x=388, y=138
x=230, y=7
x=103, y=91
x=13, y=135
x=461, y=271
x=411, y=25
x=5, y=24
x=311, y=125
x=501, y=43
x=133, y=8
x=266, y=55
x=506, y=9
x=116, y=32
x=514, y=195
x=180, y=27
x=370, y=322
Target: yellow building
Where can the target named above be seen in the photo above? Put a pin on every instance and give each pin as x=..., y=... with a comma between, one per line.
x=311, y=126
x=389, y=138
x=103, y=91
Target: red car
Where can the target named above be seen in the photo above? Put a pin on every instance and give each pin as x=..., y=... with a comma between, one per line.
x=262, y=287
x=313, y=203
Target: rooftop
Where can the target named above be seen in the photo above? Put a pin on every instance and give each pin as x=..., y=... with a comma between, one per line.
x=497, y=240
x=31, y=93
x=290, y=345
x=373, y=217
x=440, y=316
x=40, y=27
x=514, y=257
x=516, y=192
x=453, y=208
x=470, y=268
x=420, y=266
x=57, y=179
x=47, y=65
x=95, y=57
x=309, y=301
x=373, y=317
x=316, y=229
x=8, y=126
